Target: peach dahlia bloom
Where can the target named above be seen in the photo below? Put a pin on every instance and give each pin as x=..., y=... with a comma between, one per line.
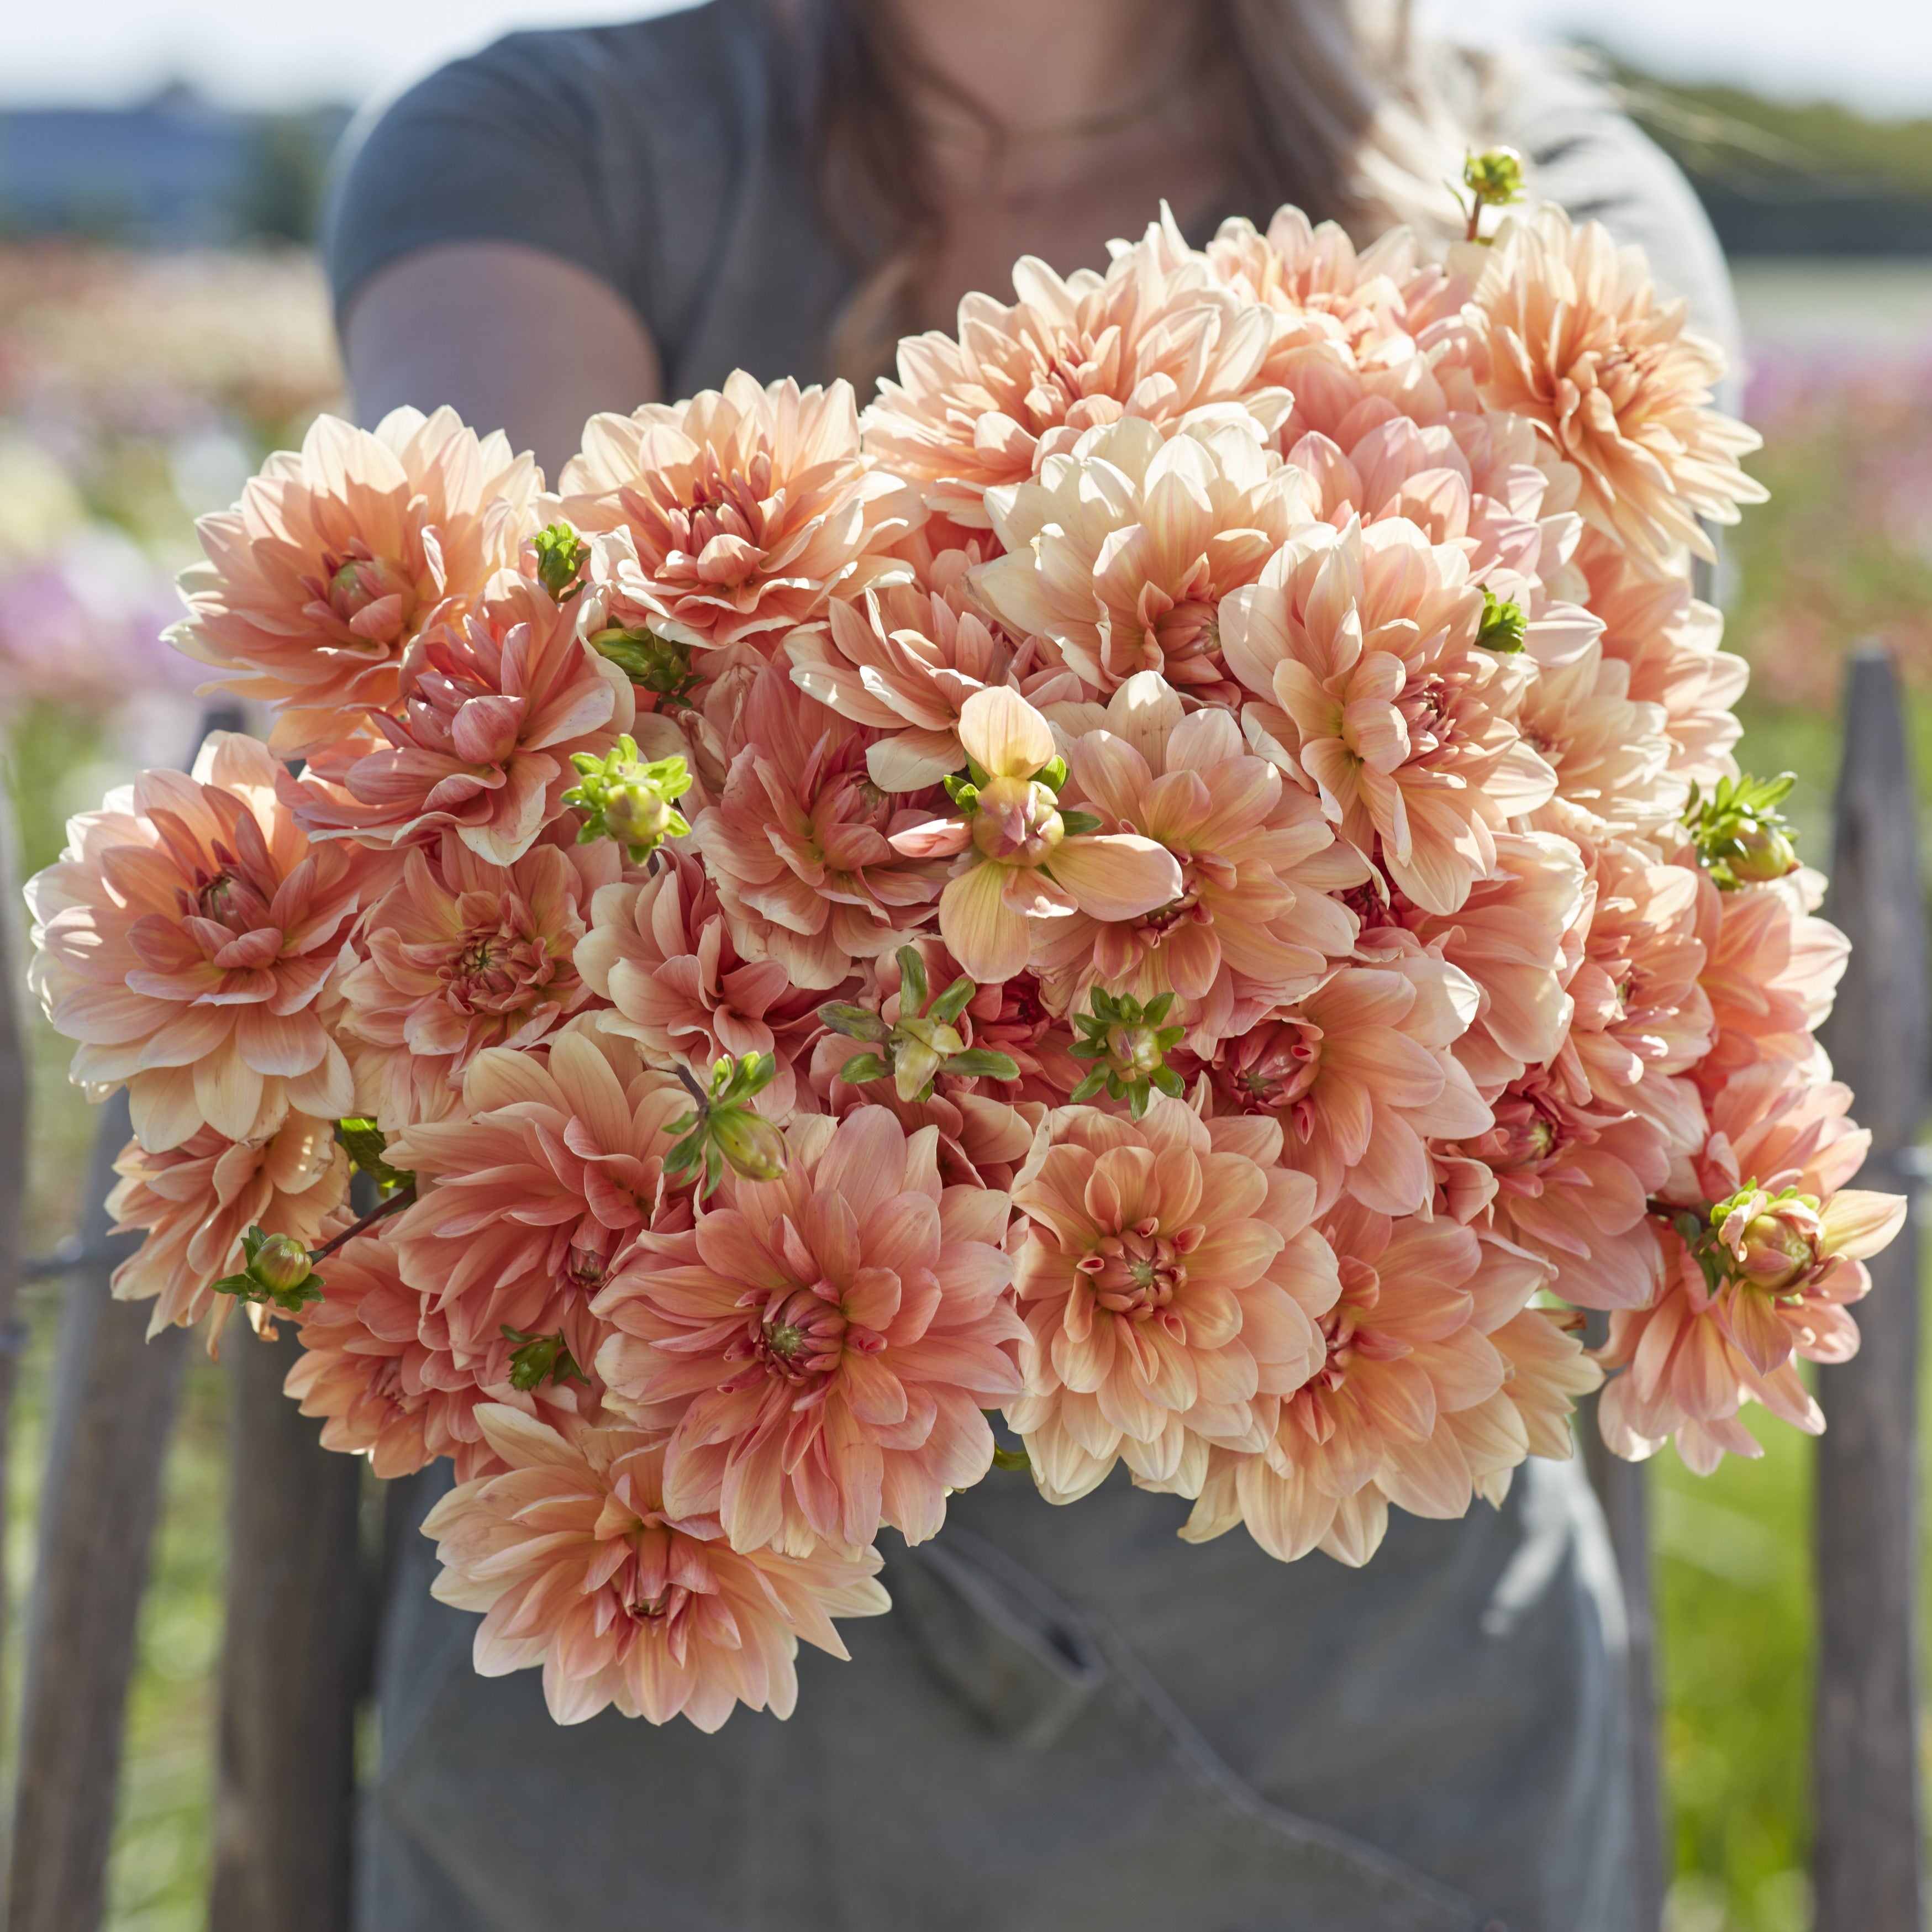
x=660, y=951
x=532, y=1202
x=1171, y=1283
x=1120, y=551
x=1017, y=865
x=195, y=1202
x=802, y=845
x=828, y=1339
x=1362, y=642
x=1610, y=754
x=380, y=1378
x=1251, y=926
x=1770, y=972
x=1155, y=336
x=183, y=939
x=488, y=713
x=1402, y=1352
x=319, y=579
x=463, y=954
x=905, y=658
x=1579, y=342
x=732, y=518
x=581, y=1567
x=1363, y=1076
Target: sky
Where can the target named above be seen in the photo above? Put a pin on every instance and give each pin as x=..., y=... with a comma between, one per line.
x=1873, y=54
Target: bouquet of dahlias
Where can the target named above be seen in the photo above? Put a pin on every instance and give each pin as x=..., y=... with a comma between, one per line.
x=1179, y=881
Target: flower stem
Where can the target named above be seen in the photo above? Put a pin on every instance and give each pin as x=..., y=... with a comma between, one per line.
x=394, y=1204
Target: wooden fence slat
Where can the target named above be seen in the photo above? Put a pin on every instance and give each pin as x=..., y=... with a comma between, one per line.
x=114, y=1397
x=1868, y=1859
x=1623, y=1489
x=294, y=1662
x=14, y=1102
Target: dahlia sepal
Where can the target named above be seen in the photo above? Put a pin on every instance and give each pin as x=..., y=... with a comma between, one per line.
x=1741, y=837
x=724, y=1129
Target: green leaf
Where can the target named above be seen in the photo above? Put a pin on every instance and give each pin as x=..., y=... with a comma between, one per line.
x=982, y=1063
x=1077, y=824
x=863, y=1067
x=854, y=1022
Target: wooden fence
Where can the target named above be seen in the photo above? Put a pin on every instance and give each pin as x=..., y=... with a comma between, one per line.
x=296, y=1654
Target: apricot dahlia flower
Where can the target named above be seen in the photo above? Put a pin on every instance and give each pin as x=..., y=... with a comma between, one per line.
x=195, y=1202
x=1579, y=342
x=1155, y=336
x=1251, y=926
x=1019, y=864
x=1170, y=1282
x=1365, y=642
x=580, y=1567
x=1402, y=1352
x=532, y=1202
x=489, y=711
x=371, y=1369
x=802, y=847
x=1362, y=1075
x=183, y=938
x=831, y=1338
x=735, y=515
x=1121, y=550
x=319, y=579
x=659, y=950
x=1770, y=972
x=464, y=954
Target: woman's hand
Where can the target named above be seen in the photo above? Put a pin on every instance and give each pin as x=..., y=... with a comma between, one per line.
x=510, y=337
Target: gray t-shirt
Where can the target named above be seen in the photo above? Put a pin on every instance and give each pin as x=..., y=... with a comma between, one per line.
x=1072, y=1720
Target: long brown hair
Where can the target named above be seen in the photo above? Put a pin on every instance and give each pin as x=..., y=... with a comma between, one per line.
x=1312, y=108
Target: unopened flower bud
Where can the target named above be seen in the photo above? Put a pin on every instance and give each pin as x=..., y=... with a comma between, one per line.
x=1740, y=835
x=281, y=1263
x=1503, y=626
x=1017, y=821
x=1762, y=853
x=275, y=1268
x=753, y=1146
x=625, y=797
x=561, y=556
x=656, y=664
x=1495, y=176
x=724, y=1129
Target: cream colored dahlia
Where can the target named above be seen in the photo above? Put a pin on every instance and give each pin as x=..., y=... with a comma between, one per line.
x=1770, y=972
x=1120, y=552
x=1579, y=342
x=1170, y=1282
x=184, y=938
x=579, y=1566
x=733, y=517
x=319, y=579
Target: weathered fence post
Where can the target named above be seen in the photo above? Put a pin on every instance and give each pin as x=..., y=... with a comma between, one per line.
x=293, y=1662
x=113, y=1401
x=1868, y=1861
x=12, y=1155
x=1623, y=1489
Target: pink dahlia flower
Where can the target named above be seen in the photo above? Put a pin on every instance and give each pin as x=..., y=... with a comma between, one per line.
x=1155, y=337
x=1402, y=1352
x=1252, y=926
x=1365, y=642
x=904, y=659
x=1610, y=754
x=464, y=954
x=1019, y=865
x=800, y=844
x=1171, y=1283
x=827, y=1340
x=1362, y=1075
x=661, y=951
x=1570, y=1181
x=1770, y=972
x=734, y=516
x=317, y=581
x=183, y=939
x=1579, y=342
x=581, y=1567
x=196, y=1201
x=372, y=1370
x=489, y=711
x=531, y=1203
x=1120, y=552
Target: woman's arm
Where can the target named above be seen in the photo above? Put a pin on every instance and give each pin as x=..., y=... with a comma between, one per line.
x=510, y=337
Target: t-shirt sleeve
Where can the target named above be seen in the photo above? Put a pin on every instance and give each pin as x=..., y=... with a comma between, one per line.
x=501, y=147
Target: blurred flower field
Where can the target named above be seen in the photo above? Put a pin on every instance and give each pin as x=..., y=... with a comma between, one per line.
x=136, y=392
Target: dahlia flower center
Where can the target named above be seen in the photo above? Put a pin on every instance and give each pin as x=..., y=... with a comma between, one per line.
x=1343, y=1328
x=1427, y=706
x=587, y=1271
x=1277, y=1073
x=1138, y=1272
x=497, y=970
x=797, y=1336
x=1774, y=1255
x=1154, y=927
x=1525, y=1137
x=1017, y=822
x=229, y=901
x=357, y=579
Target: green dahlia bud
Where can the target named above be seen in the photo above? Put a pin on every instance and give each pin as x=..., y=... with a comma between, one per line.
x=627, y=798
x=1129, y=1046
x=1504, y=625
x=276, y=1269
x=646, y=659
x=1495, y=176
x=1741, y=837
x=561, y=556
x=542, y=1358
x=923, y=1044
x=724, y=1129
